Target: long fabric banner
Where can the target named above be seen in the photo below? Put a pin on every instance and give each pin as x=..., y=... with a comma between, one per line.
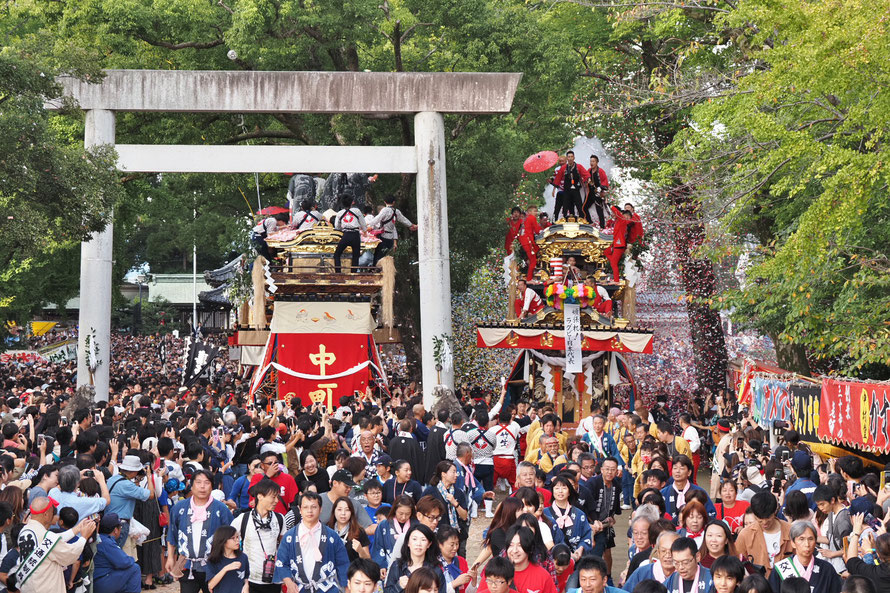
x=771, y=400
x=572, y=320
x=805, y=404
x=856, y=414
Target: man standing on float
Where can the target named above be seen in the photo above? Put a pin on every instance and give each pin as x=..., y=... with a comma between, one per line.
x=570, y=178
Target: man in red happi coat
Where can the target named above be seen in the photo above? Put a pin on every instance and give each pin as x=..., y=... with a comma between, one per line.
x=527, y=239
x=514, y=227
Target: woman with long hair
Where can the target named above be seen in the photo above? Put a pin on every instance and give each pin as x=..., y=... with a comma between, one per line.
x=569, y=520
x=15, y=496
x=442, y=487
x=717, y=543
x=227, y=565
x=528, y=576
x=345, y=523
x=419, y=549
x=401, y=517
x=312, y=473
x=496, y=537
x=541, y=554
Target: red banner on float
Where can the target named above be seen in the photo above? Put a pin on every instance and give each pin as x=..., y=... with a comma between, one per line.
x=322, y=367
x=856, y=414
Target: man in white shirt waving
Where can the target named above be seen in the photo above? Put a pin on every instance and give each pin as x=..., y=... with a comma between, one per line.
x=528, y=302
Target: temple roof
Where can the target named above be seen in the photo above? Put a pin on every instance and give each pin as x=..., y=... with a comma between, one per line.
x=224, y=274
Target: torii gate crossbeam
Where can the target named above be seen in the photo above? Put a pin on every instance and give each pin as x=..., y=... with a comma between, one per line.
x=425, y=95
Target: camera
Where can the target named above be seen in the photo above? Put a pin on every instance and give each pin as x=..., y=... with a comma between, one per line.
x=89, y=473
x=268, y=569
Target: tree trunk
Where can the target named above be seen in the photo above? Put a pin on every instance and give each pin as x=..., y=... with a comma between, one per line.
x=700, y=285
x=791, y=357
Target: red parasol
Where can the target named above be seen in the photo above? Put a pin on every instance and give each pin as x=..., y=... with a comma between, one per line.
x=273, y=210
x=540, y=161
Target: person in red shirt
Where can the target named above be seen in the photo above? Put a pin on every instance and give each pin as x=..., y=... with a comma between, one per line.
x=271, y=465
x=570, y=178
x=635, y=227
x=615, y=252
x=564, y=565
x=731, y=510
x=530, y=228
x=602, y=302
x=529, y=576
x=514, y=226
x=597, y=186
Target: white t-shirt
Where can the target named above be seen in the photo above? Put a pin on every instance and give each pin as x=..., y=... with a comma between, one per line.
x=691, y=436
x=252, y=546
x=773, y=545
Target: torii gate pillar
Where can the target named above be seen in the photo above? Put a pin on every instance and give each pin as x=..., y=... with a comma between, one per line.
x=432, y=247
x=95, y=278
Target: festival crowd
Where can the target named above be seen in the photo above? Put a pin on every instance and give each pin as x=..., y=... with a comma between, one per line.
x=222, y=494
x=218, y=490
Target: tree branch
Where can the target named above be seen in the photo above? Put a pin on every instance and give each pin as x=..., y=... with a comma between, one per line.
x=260, y=134
x=184, y=45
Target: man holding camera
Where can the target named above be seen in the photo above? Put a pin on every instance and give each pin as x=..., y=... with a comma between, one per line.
x=125, y=491
x=261, y=530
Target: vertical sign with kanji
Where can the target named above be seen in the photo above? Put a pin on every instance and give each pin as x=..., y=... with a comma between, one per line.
x=572, y=317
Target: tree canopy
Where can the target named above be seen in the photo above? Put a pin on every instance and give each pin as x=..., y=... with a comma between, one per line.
x=791, y=162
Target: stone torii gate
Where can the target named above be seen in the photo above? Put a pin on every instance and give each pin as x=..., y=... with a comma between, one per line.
x=426, y=96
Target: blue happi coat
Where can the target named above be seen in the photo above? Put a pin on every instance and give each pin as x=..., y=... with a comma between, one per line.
x=704, y=582
x=610, y=449
x=578, y=534
x=179, y=532
x=330, y=572
x=670, y=501
x=385, y=543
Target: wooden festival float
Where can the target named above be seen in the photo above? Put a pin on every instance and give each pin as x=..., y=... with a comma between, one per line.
x=573, y=379
x=314, y=327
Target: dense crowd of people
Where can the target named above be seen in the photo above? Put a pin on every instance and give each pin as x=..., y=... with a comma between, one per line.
x=221, y=493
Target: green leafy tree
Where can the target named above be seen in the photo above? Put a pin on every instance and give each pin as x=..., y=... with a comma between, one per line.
x=792, y=163
x=53, y=194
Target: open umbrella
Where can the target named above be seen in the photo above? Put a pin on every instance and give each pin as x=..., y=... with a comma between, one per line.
x=273, y=210
x=540, y=161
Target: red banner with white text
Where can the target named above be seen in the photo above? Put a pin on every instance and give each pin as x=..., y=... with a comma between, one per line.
x=855, y=414
x=320, y=368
